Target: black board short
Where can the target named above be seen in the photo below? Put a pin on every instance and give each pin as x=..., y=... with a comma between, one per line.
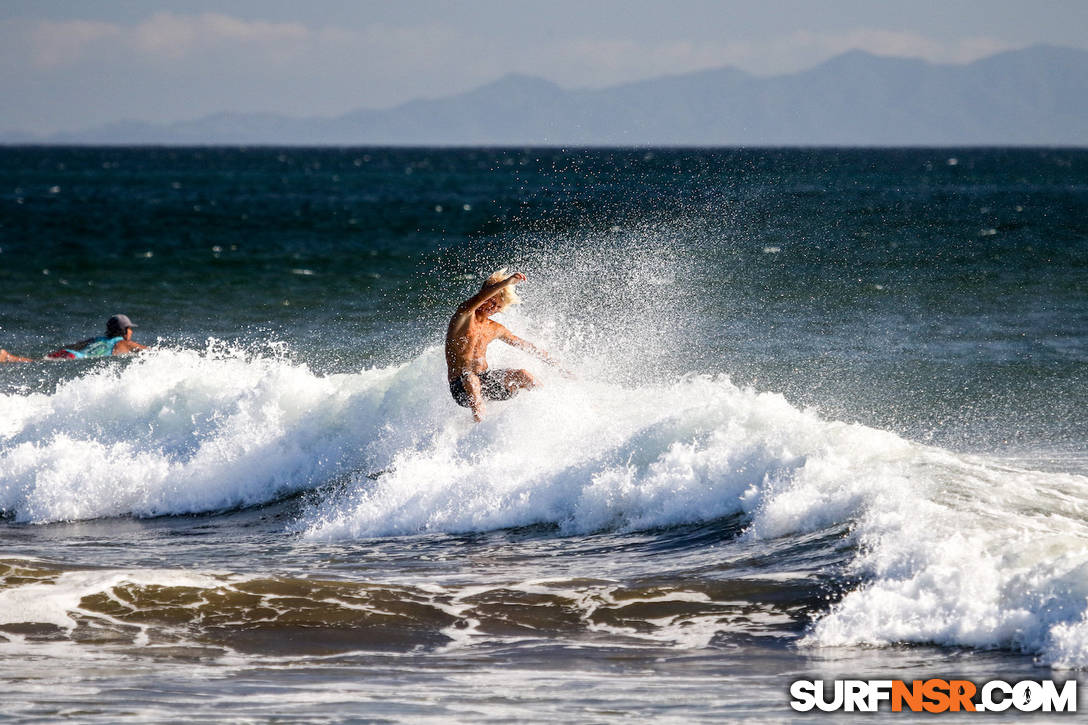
x=491, y=385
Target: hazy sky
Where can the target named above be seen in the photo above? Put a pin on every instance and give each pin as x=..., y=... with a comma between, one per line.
x=68, y=64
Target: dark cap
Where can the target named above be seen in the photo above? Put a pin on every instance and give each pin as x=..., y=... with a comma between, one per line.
x=116, y=325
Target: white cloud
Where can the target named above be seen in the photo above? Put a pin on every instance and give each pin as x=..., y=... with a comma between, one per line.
x=162, y=37
x=175, y=37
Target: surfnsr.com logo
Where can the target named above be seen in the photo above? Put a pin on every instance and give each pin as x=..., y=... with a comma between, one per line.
x=933, y=695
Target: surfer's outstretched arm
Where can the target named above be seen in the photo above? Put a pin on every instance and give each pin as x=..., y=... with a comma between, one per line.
x=487, y=292
x=538, y=352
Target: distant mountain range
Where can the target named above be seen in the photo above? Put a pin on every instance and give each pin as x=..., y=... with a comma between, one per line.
x=1036, y=96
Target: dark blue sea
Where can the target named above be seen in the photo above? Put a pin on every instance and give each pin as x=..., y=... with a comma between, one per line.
x=828, y=418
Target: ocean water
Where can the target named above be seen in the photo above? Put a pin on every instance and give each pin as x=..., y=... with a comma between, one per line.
x=828, y=419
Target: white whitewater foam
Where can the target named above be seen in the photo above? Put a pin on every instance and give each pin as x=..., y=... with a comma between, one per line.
x=992, y=557
x=590, y=455
x=952, y=549
x=180, y=431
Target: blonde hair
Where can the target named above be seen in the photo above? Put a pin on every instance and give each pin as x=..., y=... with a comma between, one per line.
x=507, y=296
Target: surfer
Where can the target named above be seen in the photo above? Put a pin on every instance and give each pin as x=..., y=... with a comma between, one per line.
x=117, y=341
x=470, y=331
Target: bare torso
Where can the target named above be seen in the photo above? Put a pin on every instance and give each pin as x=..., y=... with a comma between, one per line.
x=467, y=339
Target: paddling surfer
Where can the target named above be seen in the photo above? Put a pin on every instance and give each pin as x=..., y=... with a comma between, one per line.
x=470, y=331
x=117, y=341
